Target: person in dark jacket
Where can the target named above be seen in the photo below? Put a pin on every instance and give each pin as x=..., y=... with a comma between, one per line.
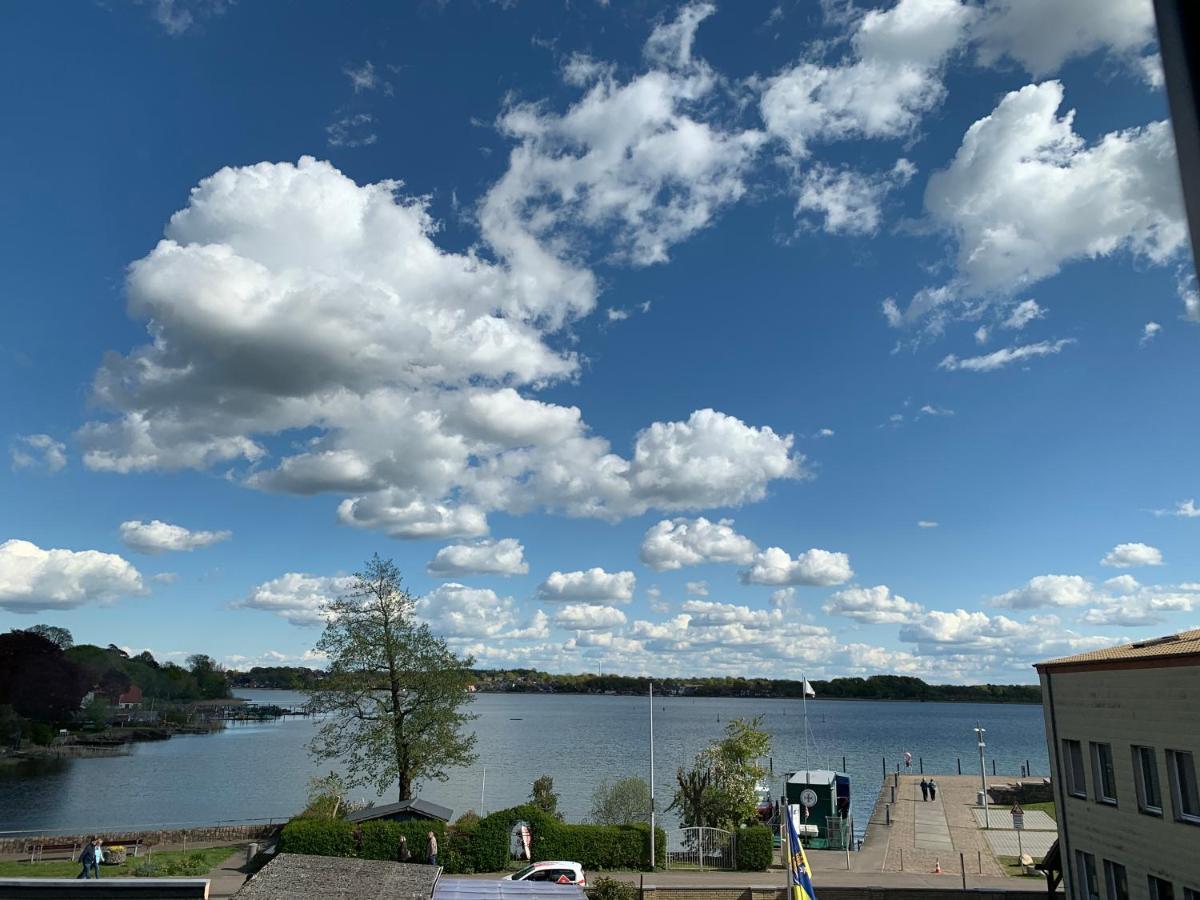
x=402, y=852
x=924, y=789
x=932, y=789
x=431, y=849
x=90, y=858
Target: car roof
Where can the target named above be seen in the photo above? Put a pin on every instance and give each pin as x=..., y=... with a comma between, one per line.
x=555, y=862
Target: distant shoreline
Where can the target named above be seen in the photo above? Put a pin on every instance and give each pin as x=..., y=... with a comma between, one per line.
x=664, y=697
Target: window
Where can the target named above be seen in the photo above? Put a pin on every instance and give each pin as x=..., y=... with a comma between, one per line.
x=1181, y=769
x=1191, y=894
x=1114, y=877
x=1085, y=868
x=1073, y=760
x=1161, y=890
x=1145, y=775
x=1105, y=779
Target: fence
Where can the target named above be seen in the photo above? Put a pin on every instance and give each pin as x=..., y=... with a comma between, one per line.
x=700, y=848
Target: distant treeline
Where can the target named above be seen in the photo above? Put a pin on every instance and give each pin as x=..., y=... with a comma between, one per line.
x=877, y=687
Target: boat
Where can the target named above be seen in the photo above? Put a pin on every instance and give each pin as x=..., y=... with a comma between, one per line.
x=823, y=796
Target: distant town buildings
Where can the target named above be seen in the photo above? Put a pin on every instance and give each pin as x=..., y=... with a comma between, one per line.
x=1123, y=729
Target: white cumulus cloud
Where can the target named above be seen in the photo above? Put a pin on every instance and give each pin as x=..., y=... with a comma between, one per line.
x=675, y=543
x=33, y=579
x=590, y=586
x=775, y=566
x=1048, y=590
x=873, y=605
x=588, y=617
x=1126, y=556
x=157, y=536
x=297, y=597
x=38, y=451
x=502, y=557
x=999, y=359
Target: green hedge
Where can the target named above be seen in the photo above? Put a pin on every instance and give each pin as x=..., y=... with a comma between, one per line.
x=755, y=848
x=481, y=847
x=380, y=839
x=319, y=837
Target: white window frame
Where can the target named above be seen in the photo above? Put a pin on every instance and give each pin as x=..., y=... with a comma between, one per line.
x=1098, y=770
x=1174, y=757
x=1076, y=779
x=1139, y=780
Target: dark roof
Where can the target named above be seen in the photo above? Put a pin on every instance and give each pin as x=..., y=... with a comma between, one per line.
x=1182, y=645
x=416, y=806
x=296, y=876
x=499, y=889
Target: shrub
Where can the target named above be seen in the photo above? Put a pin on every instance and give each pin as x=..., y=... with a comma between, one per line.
x=601, y=846
x=41, y=734
x=319, y=837
x=611, y=889
x=380, y=839
x=147, y=868
x=755, y=848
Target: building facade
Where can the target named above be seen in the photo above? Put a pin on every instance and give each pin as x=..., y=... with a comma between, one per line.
x=1123, y=729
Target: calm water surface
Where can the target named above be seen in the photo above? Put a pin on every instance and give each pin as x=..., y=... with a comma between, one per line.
x=261, y=770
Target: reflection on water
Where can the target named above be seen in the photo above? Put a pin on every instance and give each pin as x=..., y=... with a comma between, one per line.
x=260, y=769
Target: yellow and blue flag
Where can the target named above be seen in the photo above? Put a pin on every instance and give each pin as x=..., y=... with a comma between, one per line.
x=802, y=887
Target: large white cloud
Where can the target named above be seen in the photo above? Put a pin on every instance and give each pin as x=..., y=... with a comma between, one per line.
x=1048, y=591
x=1041, y=36
x=458, y=611
x=776, y=566
x=675, y=543
x=1126, y=556
x=299, y=598
x=157, y=536
x=33, y=579
x=503, y=557
x=588, y=617
x=635, y=157
x=286, y=301
x=1025, y=195
x=892, y=77
x=590, y=586
x=873, y=605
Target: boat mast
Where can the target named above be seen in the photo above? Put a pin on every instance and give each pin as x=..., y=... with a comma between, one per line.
x=804, y=701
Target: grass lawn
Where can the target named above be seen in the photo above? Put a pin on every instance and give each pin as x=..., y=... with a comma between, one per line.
x=1012, y=866
x=1047, y=808
x=55, y=868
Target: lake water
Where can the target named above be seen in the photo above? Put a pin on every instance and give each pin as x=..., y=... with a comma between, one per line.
x=261, y=770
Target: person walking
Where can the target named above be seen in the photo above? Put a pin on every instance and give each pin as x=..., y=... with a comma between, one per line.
x=932, y=789
x=924, y=789
x=431, y=849
x=402, y=852
x=87, y=857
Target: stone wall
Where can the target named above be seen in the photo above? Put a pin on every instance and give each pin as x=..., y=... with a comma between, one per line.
x=1038, y=790
x=174, y=836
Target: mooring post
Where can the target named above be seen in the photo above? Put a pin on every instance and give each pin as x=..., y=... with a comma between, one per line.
x=993, y=765
x=960, y=765
x=893, y=793
x=921, y=760
x=979, y=853
x=884, y=766
x=887, y=812
x=1028, y=768
x=962, y=862
x=901, y=859
x=843, y=764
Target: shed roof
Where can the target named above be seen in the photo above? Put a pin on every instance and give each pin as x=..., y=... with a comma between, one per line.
x=416, y=806
x=1172, y=647
x=500, y=889
x=812, y=776
x=297, y=876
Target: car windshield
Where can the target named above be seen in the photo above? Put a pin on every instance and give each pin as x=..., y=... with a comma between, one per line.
x=525, y=871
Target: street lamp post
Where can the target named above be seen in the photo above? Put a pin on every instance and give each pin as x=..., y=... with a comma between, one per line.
x=979, y=733
x=652, y=776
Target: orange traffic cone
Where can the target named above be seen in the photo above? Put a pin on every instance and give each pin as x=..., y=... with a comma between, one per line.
x=937, y=867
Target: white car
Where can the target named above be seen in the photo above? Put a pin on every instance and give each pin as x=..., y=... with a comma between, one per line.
x=553, y=871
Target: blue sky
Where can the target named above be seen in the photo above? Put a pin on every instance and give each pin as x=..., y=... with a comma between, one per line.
x=759, y=339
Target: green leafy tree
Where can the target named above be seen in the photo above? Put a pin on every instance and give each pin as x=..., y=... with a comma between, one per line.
x=95, y=712
x=55, y=635
x=327, y=797
x=626, y=802
x=720, y=789
x=395, y=695
x=210, y=677
x=544, y=797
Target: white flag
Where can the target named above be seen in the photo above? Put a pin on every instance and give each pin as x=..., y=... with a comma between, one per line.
x=808, y=689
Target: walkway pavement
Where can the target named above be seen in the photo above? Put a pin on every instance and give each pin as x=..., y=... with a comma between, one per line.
x=226, y=878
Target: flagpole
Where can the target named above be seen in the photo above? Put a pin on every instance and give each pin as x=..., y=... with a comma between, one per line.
x=785, y=844
x=652, y=776
x=804, y=696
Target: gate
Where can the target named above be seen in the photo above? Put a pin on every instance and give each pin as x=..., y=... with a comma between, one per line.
x=700, y=848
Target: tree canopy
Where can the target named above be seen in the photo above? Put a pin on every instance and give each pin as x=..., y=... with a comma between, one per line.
x=720, y=788
x=625, y=802
x=395, y=695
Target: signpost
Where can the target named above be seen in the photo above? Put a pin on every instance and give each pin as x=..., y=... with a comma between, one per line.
x=1018, y=816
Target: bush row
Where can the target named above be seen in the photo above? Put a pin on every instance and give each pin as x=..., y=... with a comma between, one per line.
x=481, y=846
x=755, y=848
